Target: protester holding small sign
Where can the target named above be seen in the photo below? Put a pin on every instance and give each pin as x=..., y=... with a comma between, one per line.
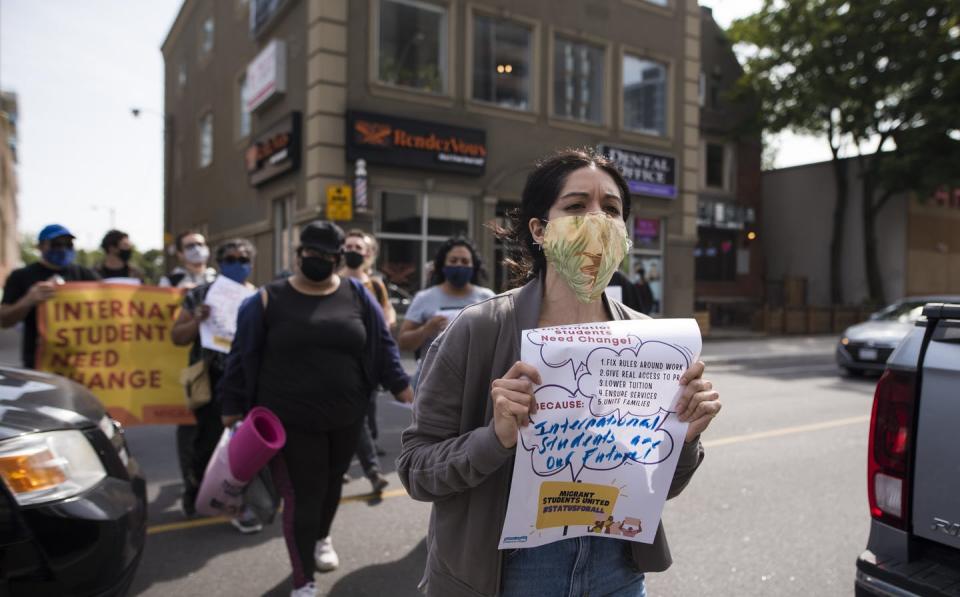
x=205, y=368
x=29, y=286
x=474, y=395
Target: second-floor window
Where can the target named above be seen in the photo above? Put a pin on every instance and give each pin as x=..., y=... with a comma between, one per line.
x=206, y=140
x=502, y=62
x=206, y=37
x=578, y=80
x=243, y=123
x=412, y=45
x=644, y=95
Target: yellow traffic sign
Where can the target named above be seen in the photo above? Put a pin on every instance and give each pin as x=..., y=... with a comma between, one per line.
x=339, y=202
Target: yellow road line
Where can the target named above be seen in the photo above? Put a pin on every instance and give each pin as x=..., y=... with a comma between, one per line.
x=736, y=439
x=367, y=497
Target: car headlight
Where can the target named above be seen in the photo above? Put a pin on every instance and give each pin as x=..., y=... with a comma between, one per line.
x=44, y=467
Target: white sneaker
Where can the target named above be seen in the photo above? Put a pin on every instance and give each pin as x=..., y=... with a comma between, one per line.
x=307, y=590
x=325, y=557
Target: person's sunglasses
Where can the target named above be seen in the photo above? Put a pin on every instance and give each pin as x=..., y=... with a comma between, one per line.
x=231, y=260
x=192, y=245
x=61, y=245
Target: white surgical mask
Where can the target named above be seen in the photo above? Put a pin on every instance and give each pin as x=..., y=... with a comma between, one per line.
x=197, y=254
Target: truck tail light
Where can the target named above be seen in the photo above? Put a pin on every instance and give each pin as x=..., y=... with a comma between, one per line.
x=891, y=425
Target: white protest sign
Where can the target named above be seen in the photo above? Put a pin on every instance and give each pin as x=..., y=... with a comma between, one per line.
x=599, y=455
x=224, y=298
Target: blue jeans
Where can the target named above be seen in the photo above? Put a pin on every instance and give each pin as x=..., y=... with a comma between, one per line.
x=581, y=566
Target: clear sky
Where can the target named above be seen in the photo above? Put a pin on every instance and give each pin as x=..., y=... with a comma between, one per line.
x=78, y=66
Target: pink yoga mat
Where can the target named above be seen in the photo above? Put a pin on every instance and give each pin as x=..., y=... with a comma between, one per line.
x=254, y=443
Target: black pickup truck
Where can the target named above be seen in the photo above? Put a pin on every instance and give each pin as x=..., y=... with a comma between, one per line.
x=913, y=466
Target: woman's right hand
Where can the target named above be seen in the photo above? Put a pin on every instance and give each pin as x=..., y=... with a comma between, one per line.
x=513, y=401
x=436, y=324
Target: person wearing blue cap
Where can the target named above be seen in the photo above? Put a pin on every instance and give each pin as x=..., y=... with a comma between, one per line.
x=29, y=286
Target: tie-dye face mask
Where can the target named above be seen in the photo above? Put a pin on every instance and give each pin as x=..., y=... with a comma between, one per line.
x=585, y=251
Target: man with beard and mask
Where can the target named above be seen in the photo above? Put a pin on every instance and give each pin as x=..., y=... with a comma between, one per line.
x=29, y=286
x=192, y=253
x=356, y=257
x=117, y=252
x=455, y=276
x=235, y=260
x=311, y=348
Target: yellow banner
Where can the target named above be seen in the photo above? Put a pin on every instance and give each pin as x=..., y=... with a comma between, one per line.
x=573, y=504
x=115, y=340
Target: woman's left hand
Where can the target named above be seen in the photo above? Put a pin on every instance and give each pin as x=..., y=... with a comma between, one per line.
x=699, y=403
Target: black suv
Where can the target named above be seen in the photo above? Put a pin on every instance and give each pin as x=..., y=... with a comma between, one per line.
x=72, y=500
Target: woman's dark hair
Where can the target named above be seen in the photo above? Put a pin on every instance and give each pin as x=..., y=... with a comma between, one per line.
x=440, y=260
x=240, y=244
x=113, y=238
x=525, y=259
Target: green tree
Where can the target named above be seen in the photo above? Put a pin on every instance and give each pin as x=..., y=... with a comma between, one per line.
x=862, y=73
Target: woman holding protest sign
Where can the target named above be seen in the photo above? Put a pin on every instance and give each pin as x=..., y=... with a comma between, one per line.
x=475, y=394
x=235, y=260
x=311, y=348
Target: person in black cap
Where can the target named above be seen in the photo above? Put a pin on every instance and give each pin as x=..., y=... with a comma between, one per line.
x=311, y=348
x=29, y=286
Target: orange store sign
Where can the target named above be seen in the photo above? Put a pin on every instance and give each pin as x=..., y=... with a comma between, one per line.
x=382, y=139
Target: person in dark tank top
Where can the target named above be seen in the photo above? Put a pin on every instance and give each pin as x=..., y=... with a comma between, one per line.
x=318, y=349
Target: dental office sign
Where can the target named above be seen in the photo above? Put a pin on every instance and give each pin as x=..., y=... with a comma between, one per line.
x=599, y=454
x=266, y=75
x=646, y=173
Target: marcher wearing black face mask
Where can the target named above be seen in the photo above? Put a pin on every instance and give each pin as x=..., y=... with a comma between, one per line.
x=117, y=252
x=311, y=348
x=29, y=286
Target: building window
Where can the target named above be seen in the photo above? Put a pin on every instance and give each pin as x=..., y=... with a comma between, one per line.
x=206, y=37
x=206, y=140
x=412, y=227
x=243, y=120
x=715, y=256
x=282, y=235
x=658, y=2
x=644, y=95
x=578, y=80
x=716, y=167
x=412, y=50
x=181, y=76
x=502, y=62
x=715, y=89
x=646, y=262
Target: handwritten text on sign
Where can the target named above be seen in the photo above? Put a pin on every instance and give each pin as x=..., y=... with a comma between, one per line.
x=115, y=340
x=599, y=454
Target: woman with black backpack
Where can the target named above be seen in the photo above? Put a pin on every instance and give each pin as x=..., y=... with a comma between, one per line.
x=311, y=348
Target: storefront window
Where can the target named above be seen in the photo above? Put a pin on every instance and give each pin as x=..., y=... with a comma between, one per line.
x=578, y=80
x=715, y=257
x=502, y=62
x=412, y=227
x=644, y=95
x=646, y=262
x=282, y=236
x=413, y=45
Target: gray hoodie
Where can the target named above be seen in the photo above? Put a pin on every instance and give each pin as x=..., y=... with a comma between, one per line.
x=452, y=457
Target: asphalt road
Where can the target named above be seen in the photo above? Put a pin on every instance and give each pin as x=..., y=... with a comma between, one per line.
x=778, y=507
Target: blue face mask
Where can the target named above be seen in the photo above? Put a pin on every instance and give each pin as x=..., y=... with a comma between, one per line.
x=458, y=275
x=59, y=257
x=238, y=272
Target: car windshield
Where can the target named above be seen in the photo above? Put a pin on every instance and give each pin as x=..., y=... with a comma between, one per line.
x=906, y=312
